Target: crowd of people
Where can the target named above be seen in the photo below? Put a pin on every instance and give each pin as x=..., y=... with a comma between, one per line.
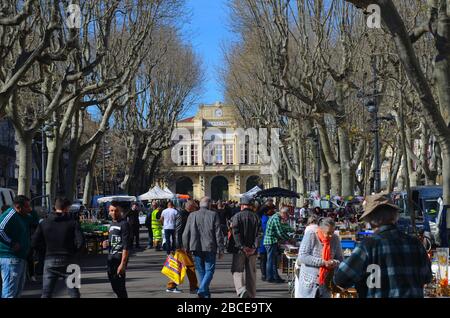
x=398, y=262
x=198, y=234
x=202, y=231
x=254, y=230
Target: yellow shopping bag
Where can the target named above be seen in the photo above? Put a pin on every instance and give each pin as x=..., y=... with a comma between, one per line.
x=184, y=258
x=174, y=269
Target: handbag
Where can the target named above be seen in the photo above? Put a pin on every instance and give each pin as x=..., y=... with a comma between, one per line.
x=174, y=269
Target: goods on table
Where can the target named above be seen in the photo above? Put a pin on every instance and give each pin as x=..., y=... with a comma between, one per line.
x=95, y=233
x=93, y=227
x=337, y=292
x=347, y=252
x=442, y=289
x=347, y=293
x=442, y=273
x=439, y=286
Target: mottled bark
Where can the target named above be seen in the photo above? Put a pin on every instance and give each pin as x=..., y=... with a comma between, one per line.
x=89, y=180
x=52, y=168
x=25, y=163
x=334, y=168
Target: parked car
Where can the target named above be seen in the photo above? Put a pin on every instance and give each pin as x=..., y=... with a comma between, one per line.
x=6, y=197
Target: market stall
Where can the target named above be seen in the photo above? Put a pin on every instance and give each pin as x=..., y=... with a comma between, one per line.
x=117, y=198
x=440, y=267
x=156, y=193
x=94, y=234
x=289, y=261
x=95, y=231
x=251, y=193
x=289, y=250
x=277, y=193
x=166, y=189
x=350, y=235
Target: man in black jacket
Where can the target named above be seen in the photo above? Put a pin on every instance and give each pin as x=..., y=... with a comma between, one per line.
x=247, y=234
x=182, y=255
x=61, y=238
x=133, y=220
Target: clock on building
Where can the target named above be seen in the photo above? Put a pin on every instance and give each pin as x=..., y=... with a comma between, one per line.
x=219, y=112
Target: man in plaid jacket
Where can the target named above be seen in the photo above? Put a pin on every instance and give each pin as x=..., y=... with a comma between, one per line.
x=390, y=264
x=277, y=230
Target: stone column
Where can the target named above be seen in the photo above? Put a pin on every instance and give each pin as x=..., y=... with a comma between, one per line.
x=189, y=158
x=237, y=183
x=202, y=186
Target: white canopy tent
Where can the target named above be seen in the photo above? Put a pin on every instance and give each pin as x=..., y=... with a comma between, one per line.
x=156, y=193
x=251, y=193
x=119, y=198
x=166, y=189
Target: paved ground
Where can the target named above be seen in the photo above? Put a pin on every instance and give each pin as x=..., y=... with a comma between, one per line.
x=144, y=279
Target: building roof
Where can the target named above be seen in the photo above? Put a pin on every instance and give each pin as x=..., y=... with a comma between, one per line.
x=187, y=120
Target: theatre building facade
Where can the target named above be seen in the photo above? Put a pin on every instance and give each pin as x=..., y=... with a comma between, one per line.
x=208, y=159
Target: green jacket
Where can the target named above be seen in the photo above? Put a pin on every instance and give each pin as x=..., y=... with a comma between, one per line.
x=15, y=228
x=276, y=230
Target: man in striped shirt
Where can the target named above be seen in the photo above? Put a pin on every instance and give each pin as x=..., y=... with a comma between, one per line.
x=277, y=230
x=15, y=242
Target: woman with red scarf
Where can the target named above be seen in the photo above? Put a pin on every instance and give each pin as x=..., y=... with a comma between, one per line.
x=320, y=253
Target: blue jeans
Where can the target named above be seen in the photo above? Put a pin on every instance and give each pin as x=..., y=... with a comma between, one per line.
x=55, y=268
x=13, y=276
x=205, y=265
x=272, y=262
x=170, y=241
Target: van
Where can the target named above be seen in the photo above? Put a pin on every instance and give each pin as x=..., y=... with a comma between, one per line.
x=424, y=198
x=426, y=208
x=6, y=197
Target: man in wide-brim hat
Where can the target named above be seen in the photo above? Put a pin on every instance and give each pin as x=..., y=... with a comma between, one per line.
x=388, y=264
x=383, y=209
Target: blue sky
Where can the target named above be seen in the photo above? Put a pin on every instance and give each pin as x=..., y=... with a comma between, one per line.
x=208, y=31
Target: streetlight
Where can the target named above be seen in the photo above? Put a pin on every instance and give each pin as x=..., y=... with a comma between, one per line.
x=373, y=109
x=46, y=132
